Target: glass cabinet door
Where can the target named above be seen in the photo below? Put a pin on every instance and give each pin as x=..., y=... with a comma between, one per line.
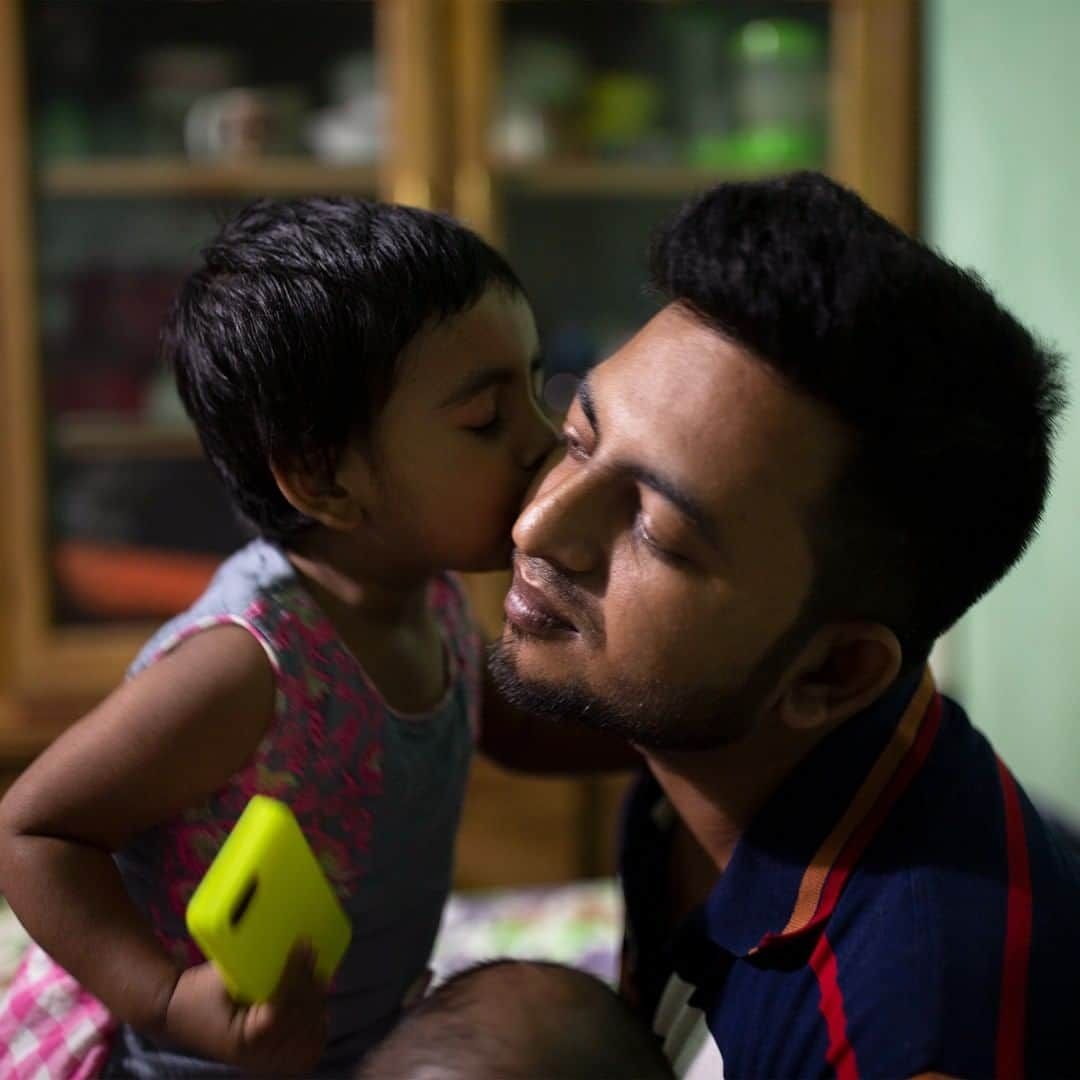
x=603, y=117
x=148, y=124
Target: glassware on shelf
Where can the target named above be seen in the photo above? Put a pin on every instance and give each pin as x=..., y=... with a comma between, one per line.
x=694, y=85
x=543, y=88
x=170, y=80
x=623, y=116
x=778, y=95
x=63, y=127
x=190, y=81
x=245, y=122
x=697, y=72
x=351, y=129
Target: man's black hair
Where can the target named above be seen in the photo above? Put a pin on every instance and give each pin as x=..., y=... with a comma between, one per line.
x=285, y=341
x=951, y=402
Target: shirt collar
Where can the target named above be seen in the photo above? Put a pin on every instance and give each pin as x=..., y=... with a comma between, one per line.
x=789, y=867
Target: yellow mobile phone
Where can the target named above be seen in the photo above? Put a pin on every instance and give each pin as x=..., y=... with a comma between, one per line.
x=264, y=893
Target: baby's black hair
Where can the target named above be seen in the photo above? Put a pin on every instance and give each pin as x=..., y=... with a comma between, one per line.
x=285, y=341
x=519, y=1020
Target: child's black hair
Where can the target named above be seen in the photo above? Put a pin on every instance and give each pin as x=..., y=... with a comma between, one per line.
x=285, y=341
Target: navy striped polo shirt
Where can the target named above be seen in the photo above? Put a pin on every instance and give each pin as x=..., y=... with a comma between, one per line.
x=898, y=906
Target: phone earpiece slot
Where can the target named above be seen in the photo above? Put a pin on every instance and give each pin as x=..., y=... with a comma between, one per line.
x=244, y=902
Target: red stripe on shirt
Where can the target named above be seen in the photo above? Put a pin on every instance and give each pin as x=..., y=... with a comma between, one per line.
x=1009, y=1060
x=840, y=1054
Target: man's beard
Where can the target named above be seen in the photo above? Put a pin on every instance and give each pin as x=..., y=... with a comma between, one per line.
x=651, y=715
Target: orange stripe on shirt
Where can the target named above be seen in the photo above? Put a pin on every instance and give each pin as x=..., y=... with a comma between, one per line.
x=889, y=760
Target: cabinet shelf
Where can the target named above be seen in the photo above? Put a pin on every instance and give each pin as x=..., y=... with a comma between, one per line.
x=108, y=436
x=612, y=178
x=134, y=177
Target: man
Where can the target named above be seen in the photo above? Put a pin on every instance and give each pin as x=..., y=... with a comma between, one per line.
x=803, y=470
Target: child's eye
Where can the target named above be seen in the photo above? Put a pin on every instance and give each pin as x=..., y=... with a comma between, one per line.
x=536, y=380
x=488, y=428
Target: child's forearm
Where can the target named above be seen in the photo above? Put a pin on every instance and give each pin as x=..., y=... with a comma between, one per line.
x=71, y=899
x=164, y=740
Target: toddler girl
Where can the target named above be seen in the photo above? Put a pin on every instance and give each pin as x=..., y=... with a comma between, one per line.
x=361, y=377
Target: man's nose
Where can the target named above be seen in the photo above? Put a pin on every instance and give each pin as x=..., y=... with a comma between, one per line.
x=564, y=522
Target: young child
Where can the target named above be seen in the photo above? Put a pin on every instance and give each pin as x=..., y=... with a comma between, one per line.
x=361, y=377
x=519, y=1020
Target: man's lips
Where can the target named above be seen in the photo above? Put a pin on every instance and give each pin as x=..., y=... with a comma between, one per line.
x=530, y=609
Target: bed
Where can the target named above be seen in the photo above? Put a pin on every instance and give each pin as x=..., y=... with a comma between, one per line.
x=578, y=924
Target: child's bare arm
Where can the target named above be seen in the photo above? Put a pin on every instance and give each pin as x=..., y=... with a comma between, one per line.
x=160, y=743
x=517, y=741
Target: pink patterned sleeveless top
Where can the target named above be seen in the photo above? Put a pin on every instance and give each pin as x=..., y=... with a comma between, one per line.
x=378, y=795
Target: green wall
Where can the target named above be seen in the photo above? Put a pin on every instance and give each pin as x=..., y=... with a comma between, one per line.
x=1002, y=194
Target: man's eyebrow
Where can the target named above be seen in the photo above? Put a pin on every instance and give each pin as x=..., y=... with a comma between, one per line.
x=690, y=507
x=588, y=404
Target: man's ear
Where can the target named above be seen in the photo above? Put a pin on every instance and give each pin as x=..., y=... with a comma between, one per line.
x=337, y=497
x=845, y=668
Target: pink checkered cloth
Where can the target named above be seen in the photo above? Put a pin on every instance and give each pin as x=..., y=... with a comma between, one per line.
x=50, y=1027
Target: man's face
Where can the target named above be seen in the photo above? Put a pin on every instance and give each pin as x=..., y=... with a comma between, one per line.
x=664, y=560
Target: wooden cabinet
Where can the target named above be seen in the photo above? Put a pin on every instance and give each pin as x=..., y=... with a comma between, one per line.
x=563, y=131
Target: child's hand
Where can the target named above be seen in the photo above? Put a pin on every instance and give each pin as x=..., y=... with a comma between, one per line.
x=283, y=1036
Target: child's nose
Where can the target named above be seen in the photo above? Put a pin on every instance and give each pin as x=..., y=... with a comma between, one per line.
x=539, y=441
x=547, y=464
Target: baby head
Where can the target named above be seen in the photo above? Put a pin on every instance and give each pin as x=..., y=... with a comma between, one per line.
x=365, y=369
x=515, y=1020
